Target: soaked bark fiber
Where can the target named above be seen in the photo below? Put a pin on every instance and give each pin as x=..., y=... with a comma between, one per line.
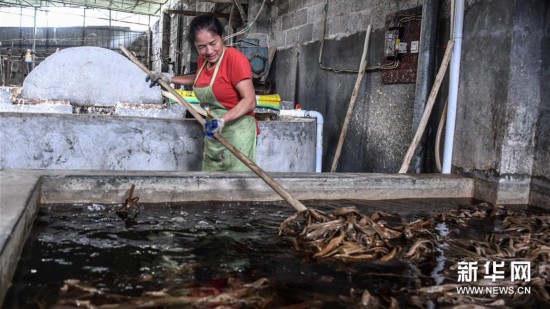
x=482, y=233
x=347, y=234
x=232, y=294
x=130, y=209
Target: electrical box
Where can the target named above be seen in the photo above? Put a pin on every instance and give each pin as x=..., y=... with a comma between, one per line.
x=392, y=42
x=401, y=41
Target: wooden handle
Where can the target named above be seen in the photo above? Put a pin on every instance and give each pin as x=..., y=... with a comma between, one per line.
x=131, y=193
x=237, y=153
x=428, y=109
x=197, y=107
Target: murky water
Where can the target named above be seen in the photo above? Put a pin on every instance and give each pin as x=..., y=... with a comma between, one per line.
x=186, y=248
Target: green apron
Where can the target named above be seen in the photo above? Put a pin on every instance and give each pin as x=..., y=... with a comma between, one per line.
x=241, y=132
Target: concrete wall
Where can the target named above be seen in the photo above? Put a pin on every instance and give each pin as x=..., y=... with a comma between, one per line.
x=540, y=184
x=41, y=141
x=502, y=132
x=502, y=124
x=380, y=129
x=104, y=142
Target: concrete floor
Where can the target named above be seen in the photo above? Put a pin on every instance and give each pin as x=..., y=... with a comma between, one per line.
x=23, y=191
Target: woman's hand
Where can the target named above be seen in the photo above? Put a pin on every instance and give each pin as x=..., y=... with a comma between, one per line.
x=213, y=126
x=154, y=77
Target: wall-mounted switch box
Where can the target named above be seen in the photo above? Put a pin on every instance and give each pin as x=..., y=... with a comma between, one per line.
x=414, y=47
x=401, y=46
x=392, y=40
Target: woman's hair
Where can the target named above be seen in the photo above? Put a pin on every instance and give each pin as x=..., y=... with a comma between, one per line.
x=204, y=22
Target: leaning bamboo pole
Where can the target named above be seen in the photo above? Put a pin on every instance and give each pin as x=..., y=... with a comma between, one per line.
x=428, y=110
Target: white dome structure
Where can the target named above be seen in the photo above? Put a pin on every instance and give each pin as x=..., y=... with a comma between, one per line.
x=89, y=76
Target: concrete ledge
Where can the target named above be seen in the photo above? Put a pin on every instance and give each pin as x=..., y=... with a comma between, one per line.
x=502, y=189
x=172, y=111
x=540, y=193
x=19, y=200
x=176, y=187
x=512, y=190
x=22, y=191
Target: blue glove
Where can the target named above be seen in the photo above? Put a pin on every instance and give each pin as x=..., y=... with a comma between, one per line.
x=213, y=126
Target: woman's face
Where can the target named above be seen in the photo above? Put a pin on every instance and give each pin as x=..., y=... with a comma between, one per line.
x=209, y=45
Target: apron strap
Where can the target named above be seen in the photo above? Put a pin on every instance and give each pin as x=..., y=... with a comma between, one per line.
x=215, y=70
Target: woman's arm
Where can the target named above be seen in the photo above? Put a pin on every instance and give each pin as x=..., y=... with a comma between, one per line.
x=245, y=88
x=186, y=80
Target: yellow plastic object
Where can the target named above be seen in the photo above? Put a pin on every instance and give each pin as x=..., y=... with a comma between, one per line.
x=269, y=97
x=188, y=95
x=172, y=99
x=272, y=101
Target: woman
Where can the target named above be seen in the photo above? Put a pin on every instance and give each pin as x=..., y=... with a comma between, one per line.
x=223, y=85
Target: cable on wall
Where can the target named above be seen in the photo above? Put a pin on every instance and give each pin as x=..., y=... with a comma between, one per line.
x=248, y=27
x=389, y=66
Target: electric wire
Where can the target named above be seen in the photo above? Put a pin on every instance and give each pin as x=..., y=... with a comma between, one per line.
x=248, y=27
x=389, y=66
x=407, y=19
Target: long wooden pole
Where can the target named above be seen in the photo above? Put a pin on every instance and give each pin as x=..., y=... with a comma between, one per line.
x=428, y=110
x=356, y=88
x=237, y=153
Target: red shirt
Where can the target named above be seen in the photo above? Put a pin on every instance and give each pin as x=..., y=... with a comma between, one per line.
x=234, y=68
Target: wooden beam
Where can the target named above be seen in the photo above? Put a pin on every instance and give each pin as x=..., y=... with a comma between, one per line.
x=196, y=13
